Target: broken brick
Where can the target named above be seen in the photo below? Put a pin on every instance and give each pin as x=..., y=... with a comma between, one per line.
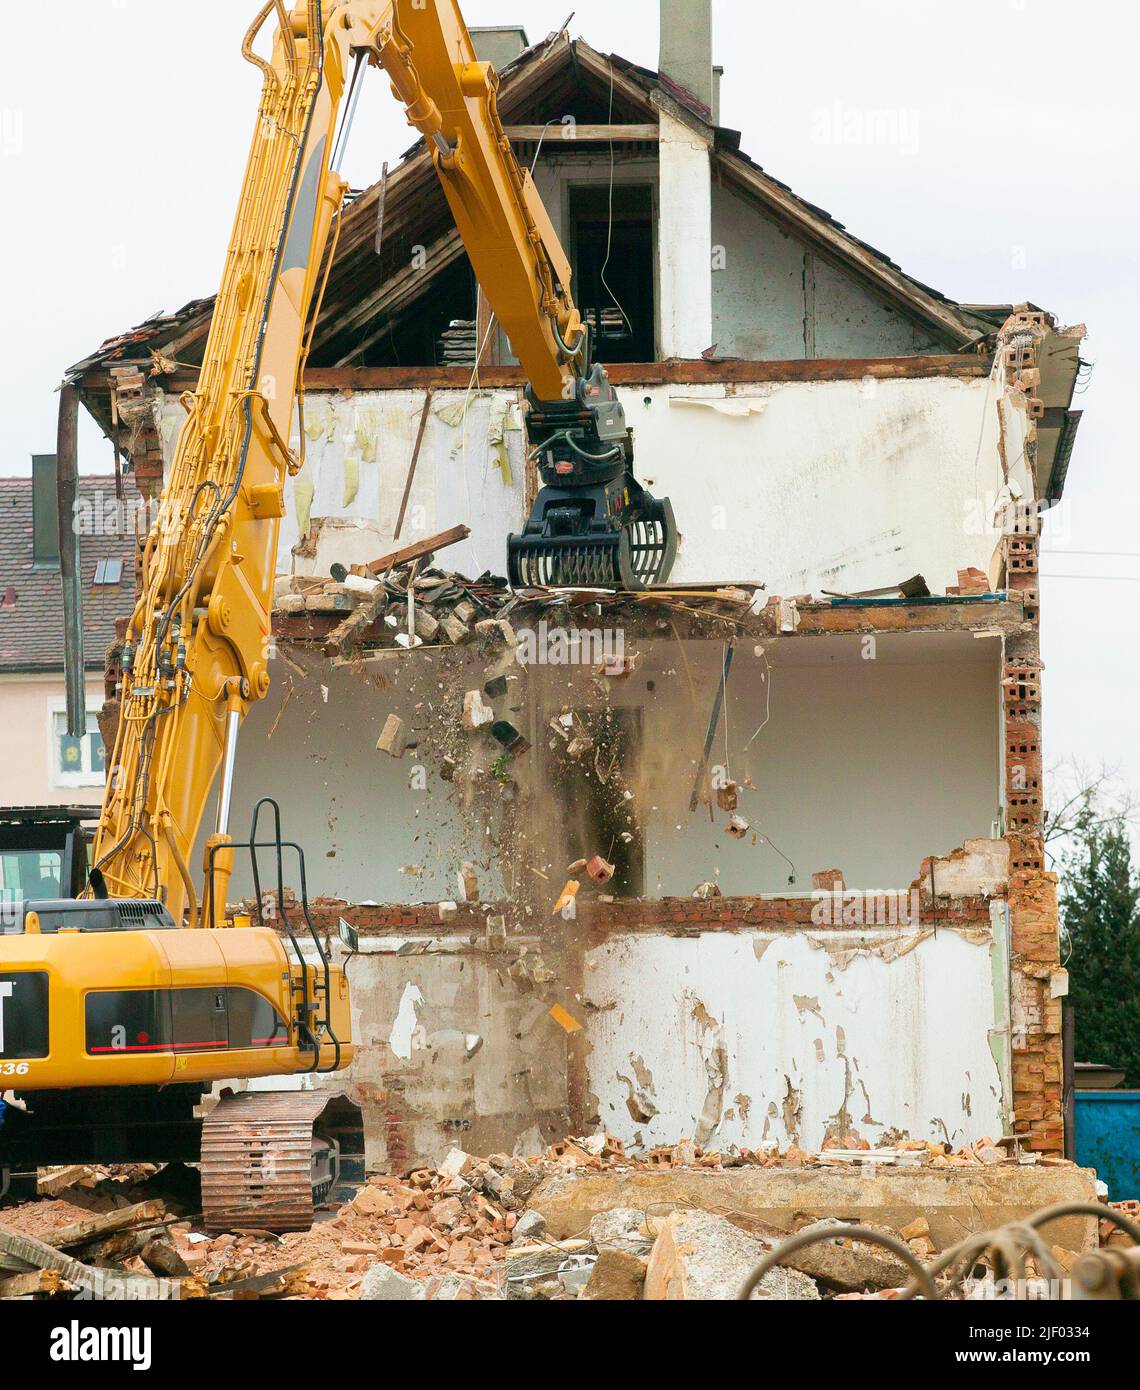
x=600, y=870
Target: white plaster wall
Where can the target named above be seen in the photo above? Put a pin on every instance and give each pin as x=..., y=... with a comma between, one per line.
x=757, y=283
x=803, y=486
x=358, y=451
x=684, y=241
x=808, y=486
x=850, y=322
x=758, y=1038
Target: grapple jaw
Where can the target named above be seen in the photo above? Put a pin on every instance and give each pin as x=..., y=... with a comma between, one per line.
x=593, y=524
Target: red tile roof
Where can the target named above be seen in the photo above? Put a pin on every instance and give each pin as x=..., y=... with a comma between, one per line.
x=31, y=596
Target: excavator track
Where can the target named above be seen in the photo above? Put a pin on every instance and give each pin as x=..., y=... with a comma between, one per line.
x=269, y=1158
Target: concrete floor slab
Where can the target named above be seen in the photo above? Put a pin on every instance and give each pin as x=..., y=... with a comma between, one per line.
x=956, y=1202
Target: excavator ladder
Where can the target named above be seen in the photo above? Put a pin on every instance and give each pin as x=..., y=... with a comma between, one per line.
x=269, y=1158
x=312, y=984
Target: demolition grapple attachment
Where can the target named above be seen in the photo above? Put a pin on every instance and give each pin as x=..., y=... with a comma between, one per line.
x=593, y=524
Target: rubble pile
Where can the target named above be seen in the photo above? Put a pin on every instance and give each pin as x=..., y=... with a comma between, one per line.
x=101, y=1242
x=406, y=608
x=459, y=1231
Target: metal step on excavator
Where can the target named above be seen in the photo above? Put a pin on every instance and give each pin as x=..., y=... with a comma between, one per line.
x=269, y=1159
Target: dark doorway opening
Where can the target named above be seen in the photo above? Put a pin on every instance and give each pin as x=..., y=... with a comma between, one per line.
x=613, y=268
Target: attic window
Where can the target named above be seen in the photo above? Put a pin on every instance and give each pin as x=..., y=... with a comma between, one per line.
x=108, y=572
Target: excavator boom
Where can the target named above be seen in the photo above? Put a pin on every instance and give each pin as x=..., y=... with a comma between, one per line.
x=111, y=991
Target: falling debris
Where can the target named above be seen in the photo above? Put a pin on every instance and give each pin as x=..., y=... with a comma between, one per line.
x=738, y=827
x=565, y=1020
x=621, y=667
x=600, y=870
x=505, y=733
x=477, y=714
x=394, y=738
x=568, y=895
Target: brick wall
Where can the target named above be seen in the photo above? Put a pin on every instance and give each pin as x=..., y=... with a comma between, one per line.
x=1034, y=921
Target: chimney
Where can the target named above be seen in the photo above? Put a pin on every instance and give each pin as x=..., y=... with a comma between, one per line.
x=45, y=512
x=499, y=44
x=686, y=48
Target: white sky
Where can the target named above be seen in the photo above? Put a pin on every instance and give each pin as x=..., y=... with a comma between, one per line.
x=124, y=126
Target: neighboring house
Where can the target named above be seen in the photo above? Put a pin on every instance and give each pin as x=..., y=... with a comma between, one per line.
x=826, y=427
x=41, y=764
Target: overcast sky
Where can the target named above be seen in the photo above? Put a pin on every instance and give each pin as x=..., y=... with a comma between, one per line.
x=124, y=126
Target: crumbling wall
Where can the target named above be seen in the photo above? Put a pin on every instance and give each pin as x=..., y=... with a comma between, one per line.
x=869, y=756
x=817, y=485
x=359, y=448
x=375, y=828
x=795, y=1038
x=450, y=1052
x=1038, y=983
x=742, y=1022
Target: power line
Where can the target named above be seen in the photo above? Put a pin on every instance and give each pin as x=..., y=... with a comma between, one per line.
x=1108, y=554
x=1104, y=578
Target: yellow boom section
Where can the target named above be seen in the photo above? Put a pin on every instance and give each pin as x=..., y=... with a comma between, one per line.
x=197, y=648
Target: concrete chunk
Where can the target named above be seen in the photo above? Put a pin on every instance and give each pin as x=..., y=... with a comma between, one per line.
x=700, y=1256
x=846, y=1266
x=955, y=1201
x=622, y=1228
x=477, y=713
x=382, y=1284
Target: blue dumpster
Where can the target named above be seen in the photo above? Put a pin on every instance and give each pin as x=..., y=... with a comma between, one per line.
x=1108, y=1139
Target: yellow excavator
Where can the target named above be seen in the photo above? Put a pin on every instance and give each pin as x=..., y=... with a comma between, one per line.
x=122, y=1006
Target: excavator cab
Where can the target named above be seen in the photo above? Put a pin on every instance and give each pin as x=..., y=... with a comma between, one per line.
x=44, y=853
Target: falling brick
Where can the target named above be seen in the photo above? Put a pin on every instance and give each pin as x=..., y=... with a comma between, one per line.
x=569, y=893
x=468, y=884
x=600, y=870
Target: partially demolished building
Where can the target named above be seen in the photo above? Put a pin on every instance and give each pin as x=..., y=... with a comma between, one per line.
x=757, y=858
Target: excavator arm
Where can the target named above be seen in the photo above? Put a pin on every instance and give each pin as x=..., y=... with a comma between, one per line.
x=197, y=650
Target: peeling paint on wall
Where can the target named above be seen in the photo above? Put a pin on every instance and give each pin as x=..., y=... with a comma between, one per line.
x=881, y=1067
x=714, y=1056
x=406, y=1030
